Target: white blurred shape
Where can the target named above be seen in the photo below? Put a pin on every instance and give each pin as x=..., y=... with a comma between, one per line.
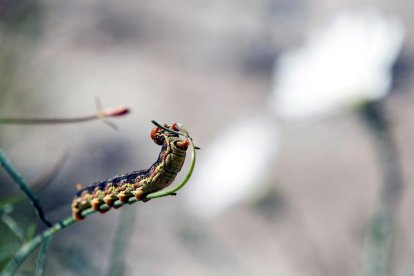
x=346, y=63
x=231, y=167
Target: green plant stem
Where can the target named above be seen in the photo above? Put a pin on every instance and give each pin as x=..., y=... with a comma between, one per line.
x=120, y=243
x=30, y=246
x=21, y=182
x=381, y=226
x=44, y=180
x=41, y=260
x=12, y=225
x=6, y=251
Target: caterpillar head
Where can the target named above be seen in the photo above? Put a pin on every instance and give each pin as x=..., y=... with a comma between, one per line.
x=158, y=135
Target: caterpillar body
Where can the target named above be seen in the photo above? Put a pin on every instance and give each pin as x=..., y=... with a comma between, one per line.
x=137, y=183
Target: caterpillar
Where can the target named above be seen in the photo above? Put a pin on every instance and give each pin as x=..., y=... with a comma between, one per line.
x=138, y=183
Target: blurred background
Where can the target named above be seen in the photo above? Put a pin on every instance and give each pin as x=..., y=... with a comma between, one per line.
x=275, y=191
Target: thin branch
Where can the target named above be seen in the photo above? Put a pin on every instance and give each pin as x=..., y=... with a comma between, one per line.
x=99, y=115
x=45, y=121
x=120, y=243
x=41, y=259
x=15, y=175
x=31, y=245
x=381, y=227
x=31, y=231
x=43, y=180
x=12, y=225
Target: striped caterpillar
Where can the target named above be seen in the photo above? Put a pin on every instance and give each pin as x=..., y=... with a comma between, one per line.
x=137, y=183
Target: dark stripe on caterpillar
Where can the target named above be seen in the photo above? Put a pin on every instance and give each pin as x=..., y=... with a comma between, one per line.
x=137, y=183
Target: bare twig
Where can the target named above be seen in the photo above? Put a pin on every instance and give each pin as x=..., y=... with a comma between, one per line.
x=19, y=180
x=43, y=180
x=101, y=114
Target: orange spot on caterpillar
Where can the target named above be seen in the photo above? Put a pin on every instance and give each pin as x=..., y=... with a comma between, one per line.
x=138, y=194
x=77, y=216
x=183, y=144
x=175, y=127
x=154, y=131
x=109, y=200
x=123, y=196
x=95, y=203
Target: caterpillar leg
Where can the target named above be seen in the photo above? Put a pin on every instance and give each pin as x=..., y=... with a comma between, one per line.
x=124, y=195
x=96, y=203
x=110, y=199
x=138, y=193
x=97, y=200
x=183, y=144
x=76, y=212
x=80, y=204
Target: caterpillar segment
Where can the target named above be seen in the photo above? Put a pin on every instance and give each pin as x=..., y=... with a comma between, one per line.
x=137, y=183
